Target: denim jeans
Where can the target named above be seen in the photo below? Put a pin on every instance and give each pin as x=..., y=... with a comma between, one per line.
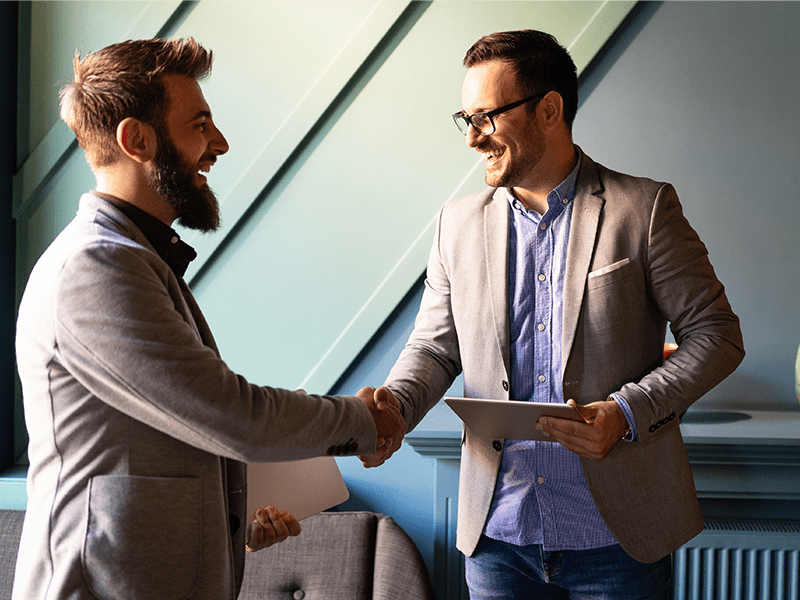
x=498, y=570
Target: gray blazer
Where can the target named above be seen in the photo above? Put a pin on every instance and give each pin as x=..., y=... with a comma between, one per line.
x=138, y=430
x=633, y=265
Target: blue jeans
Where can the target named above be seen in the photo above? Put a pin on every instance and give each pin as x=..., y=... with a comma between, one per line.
x=498, y=570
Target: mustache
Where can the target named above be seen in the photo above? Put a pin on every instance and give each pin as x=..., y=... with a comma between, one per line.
x=486, y=146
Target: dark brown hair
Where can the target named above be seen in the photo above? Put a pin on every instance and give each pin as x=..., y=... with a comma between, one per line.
x=540, y=63
x=125, y=80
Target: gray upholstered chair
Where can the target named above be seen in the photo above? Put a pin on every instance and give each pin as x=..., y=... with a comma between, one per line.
x=340, y=556
x=10, y=530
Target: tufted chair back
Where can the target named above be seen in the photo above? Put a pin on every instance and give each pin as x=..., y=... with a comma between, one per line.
x=340, y=556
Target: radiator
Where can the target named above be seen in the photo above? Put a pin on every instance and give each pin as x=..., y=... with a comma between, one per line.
x=738, y=559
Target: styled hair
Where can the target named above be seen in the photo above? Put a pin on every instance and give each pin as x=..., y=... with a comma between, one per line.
x=125, y=80
x=539, y=62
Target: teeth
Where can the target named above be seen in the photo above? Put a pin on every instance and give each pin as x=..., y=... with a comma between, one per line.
x=205, y=169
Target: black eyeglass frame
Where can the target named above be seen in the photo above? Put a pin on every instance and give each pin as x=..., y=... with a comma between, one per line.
x=461, y=117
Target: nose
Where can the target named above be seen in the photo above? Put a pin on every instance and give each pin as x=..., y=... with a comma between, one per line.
x=218, y=143
x=473, y=136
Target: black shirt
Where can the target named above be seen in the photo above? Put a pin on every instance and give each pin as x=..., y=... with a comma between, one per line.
x=166, y=241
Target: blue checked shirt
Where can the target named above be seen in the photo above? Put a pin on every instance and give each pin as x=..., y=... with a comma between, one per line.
x=541, y=495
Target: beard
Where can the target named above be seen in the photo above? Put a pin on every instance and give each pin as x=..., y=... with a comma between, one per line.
x=516, y=169
x=174, y=179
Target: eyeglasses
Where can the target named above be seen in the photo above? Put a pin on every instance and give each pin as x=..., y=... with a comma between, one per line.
x=482, y=122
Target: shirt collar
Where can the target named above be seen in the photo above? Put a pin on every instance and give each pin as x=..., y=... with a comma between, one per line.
x=164, y=239
x=559, y=196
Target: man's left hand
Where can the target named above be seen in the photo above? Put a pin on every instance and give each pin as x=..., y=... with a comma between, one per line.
x=602, y=430
x=270, y=526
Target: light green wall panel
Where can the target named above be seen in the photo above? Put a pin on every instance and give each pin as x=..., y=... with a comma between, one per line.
x=58, y=202
x=330, y=249
x=56, y=31
x=342, y=152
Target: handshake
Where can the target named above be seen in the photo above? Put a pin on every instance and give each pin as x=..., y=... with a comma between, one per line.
x=389, y=422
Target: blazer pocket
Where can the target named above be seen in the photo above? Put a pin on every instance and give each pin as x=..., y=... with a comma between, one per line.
x=143, y=538
x=610, y=274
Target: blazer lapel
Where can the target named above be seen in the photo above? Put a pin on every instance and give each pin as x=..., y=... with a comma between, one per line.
x=495, y=231
x=586, y=210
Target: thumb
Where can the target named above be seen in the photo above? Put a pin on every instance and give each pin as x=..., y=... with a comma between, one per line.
x=584, y=412
x=384, y=396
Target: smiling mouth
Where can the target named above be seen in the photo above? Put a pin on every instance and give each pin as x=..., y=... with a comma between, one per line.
x=491, y=156
x=203, y=168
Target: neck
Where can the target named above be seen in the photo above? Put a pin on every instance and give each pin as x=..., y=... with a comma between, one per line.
x=133, y=187
x=553, y=169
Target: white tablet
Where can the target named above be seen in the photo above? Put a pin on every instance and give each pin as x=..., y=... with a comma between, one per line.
x=303, y=487
x=508, y=418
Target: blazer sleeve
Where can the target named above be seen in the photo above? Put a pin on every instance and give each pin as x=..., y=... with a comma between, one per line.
x=430, y=361
x=686, y=291
x=124, y=330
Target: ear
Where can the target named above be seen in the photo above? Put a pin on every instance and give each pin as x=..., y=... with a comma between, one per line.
x=552, y=107
x=136, y=139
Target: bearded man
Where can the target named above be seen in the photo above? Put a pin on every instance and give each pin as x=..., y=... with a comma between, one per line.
x=138, y=430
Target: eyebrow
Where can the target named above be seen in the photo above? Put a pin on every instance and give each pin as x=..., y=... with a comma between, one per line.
x=201, y=114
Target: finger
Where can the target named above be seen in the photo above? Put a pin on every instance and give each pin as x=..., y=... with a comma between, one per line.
x=384, y=398
x=366, y=393
x=267, y=531
x=292, y=524
x=372, y=461
x=256, y=537
x=587, y=412
x=275, y=527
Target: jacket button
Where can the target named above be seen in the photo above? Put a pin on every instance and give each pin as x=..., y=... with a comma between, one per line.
x=505, y=386
x=497, y=445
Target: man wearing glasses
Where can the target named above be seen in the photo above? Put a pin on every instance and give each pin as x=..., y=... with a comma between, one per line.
x=556, y=284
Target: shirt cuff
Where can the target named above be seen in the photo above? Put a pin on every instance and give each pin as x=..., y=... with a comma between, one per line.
x=626, y=410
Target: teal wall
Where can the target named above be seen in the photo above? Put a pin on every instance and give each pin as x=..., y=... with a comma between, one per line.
x=700, y=94
x=342, y=150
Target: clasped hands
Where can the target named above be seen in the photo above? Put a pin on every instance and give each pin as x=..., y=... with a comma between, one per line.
x=272, y=526
x=389, y=422
x=602, y=429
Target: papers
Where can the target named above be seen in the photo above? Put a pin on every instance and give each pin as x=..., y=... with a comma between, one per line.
x=302, y=487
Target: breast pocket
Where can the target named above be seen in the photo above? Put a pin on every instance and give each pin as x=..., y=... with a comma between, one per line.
x=610, y=274
x=143, y=537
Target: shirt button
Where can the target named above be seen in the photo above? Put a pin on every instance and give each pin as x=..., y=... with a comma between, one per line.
x=174, y=239
x=540, y=327
x=542, y=378
x=542, y=277
x=543, y=226
x=540, y=480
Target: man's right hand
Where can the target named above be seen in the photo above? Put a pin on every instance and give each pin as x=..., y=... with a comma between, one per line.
x=389, y=422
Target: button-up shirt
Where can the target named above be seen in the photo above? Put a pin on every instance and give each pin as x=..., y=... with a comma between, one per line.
x=541, y=495
x=164, y=239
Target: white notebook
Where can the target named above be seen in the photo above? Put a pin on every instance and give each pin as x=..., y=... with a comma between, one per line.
x=303, y=487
